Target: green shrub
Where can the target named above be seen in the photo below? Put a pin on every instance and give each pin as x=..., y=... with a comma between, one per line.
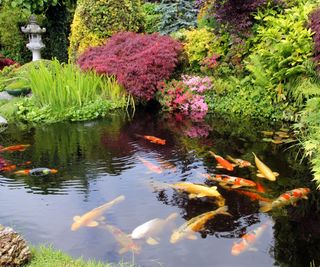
x=96, y=20
x=12, y=40
x=151, y=16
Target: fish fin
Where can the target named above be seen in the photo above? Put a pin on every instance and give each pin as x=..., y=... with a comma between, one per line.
x=253, y=249
x=122, y=251
x=213, y=187
x=219, y=166
x=276, y=173
x=265, y=206
x=236, y=186
x=102, y=218
x=76, y=218
x=305, y=197
x=92, y=224
x=260, y=175
x=192, y=237
x=151, y=241
x=191, y=196
x=226, y=213
x=201, y=195
x=172, y=217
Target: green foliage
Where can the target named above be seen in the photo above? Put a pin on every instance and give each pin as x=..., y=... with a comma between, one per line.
x=47, y=256
x=200, y=44
x=63, y=92
x=176, y=15
x=151, y=16
x=282, y=48
x=12, y=40
x=94, y=21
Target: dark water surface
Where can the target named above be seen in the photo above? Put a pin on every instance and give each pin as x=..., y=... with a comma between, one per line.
x=100, y=160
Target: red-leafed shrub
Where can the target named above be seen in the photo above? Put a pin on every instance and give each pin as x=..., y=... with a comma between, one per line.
x=6, y=62
x=315, y=27
x=139, y=61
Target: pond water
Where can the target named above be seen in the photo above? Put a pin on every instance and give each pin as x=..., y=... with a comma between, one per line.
x=98, y=161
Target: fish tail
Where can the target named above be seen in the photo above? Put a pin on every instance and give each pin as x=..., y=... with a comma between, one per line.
x=212, y=153
x=254, y=154
x=172, y=217
x=265, y=206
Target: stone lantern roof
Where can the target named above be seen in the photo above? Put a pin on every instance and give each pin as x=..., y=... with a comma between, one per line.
x=33, y=27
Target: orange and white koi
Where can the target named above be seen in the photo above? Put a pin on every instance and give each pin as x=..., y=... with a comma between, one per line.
x=264, y=170
x=287, y=198
x=152, y=167
x=196, y=224
x=226, y=179
x=254, y=196
x=239, y=162
x=36, y=172
x=223, y=163
x=196, y=190
x=153, y=139
x=124, y=240
x=14, y=148
x=89, y=219
x=248, y=240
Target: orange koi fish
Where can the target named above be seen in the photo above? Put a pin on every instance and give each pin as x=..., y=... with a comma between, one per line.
x=8, y=168
x=289, y=197
x=124, y=240
x=226, y=179
x=36, y=171
x=153, y=139
x=264, y=170
x=248, y=240
x=223, y=163
x=254, y=196
x=240, y=162
x=150, y=165
x=260, y=188
x=14, y=148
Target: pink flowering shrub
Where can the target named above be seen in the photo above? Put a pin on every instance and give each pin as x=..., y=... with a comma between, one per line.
x=197, y=84
x=5, y=61
x=178, y=96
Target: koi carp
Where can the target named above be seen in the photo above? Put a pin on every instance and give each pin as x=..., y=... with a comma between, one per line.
x=150, y=229
x=150, y=165
x=239, y=162
x=14, y=148
x=36, y=172
x=89, y=219
x=254, y=196
x=226, y=179
x=8, y=168
x=264, y=170
x=196, y=190
x=123, y=239
x=223, y=163
x=196, y=224
x=260, y=188
x=153, y=139
x=248, y=240
x=287, y=198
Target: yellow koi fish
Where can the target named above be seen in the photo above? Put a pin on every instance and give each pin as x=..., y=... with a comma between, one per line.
x=287, y=198
x=196, y=190
x=150, y=165
x=150, y=229
x=248, y=240
x=123, y=239
x=89, y=218
x=264, y=170
x=196, y=224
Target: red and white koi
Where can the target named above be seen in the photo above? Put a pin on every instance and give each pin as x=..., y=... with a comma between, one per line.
x=152, y=167
x=226, y=179
x=287, y=198
x=248, y=240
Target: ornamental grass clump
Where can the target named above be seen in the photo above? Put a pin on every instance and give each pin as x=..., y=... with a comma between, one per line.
x=139, y=61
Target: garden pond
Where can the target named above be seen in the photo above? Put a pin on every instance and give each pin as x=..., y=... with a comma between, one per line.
x=98, y=161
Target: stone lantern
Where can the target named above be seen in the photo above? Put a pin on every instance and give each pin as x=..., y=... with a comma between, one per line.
x=35, y=42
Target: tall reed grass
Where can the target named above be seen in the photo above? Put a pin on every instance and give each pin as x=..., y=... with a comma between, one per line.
x=64, y=86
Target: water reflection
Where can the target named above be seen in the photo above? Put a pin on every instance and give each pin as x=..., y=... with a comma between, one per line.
x=97, y=161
